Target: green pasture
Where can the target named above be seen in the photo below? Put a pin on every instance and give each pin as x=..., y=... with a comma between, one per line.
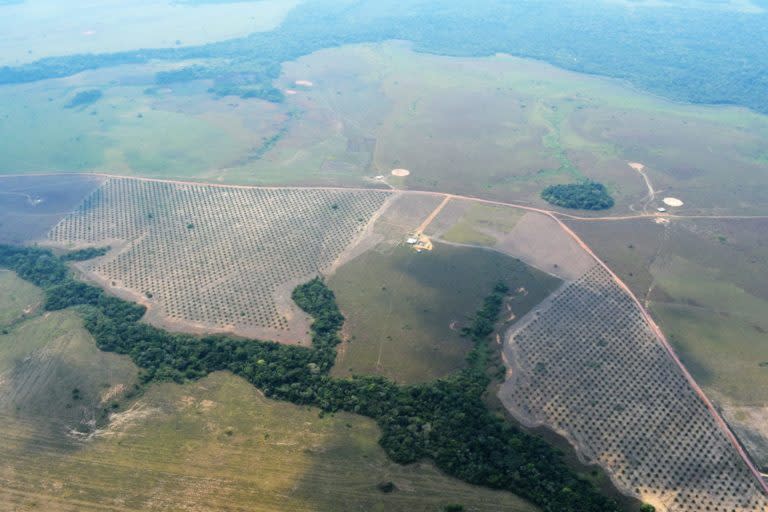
x=405, y=309
x=215, y=444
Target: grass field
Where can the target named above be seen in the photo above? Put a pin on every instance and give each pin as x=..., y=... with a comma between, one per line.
x=18, y=299
x=219, y=445
x=127, y=131
x=216, y=444
x=405, y=309
x=503, y=128
x=54, y=382
x=466, y=222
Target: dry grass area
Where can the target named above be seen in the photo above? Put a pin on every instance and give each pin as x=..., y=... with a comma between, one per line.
x=531, y=237
x=215, y=444
x=587, y=365
x=18, y=300
x=219, y=445
x=216, y=258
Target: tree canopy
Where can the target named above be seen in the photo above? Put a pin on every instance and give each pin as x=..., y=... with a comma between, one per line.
x=587, y=195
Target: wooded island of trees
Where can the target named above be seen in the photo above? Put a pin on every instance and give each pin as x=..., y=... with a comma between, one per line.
x=587, y=195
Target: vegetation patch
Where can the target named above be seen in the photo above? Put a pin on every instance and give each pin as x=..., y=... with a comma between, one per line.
x=587, y=195
x=85, y=254
x=85, y=98
x=445, y=421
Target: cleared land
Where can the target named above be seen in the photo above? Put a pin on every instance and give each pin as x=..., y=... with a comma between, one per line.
x=532, y=237
x=405, y=310
x=31, y=205
x=216, y=258
x=588, y=365
x=471, y=223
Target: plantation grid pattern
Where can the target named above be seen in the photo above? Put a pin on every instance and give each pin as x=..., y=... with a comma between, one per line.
x=589, y=366
x=216, y=255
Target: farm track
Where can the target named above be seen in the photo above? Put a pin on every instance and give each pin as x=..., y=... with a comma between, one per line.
x=544, y=211
x=558, y=218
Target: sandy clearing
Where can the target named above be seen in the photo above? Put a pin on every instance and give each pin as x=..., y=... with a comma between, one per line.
x=401, y=172
x=636, y=166
x=304, y=83
x=672, y=201
x=290, y=92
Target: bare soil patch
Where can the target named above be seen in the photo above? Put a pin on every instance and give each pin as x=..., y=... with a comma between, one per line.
x=401, y=173
x=537, y=240
x=673, y=201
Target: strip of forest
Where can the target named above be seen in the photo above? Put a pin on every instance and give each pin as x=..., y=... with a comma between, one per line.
x=445, y=421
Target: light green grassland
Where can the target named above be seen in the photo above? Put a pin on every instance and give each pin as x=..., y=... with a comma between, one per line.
x=723, y=352
x=479, y=224
x=688, y=282
x=18, y=299
x=53, y=381
x=717, y=325
x=502, y=128
x=125, y=132
x=405, y=309
x=215, y=444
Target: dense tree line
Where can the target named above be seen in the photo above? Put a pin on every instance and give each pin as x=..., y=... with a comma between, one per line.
x=85, y=254
x=587, y=195
x=668, y=51
x=445, y=421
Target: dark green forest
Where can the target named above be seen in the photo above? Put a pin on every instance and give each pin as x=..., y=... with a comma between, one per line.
x=587, y=195
x=695, y=55
x=446, y=420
